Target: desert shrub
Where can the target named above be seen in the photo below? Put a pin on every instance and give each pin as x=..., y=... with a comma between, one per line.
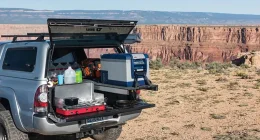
x=222, y=65
x=190, y=65
x=176, y=64
x=258, y=72
x=236, y=135
x=216, y=67
x=233, y=85
x=172, y=102
x=248, y=94
x=217, y=116
x=156, y=64
x=189, y=126
x=242, y=105
x=243, y=75
x=183, y=85
x=205, y=128
x=222, y=79
x=184, y=65
x=257, y=86
x=245, y=66
x=201, y=82
x=204, y=89
x=199, y=70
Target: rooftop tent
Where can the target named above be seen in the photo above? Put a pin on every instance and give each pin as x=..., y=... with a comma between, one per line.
x=89, y=30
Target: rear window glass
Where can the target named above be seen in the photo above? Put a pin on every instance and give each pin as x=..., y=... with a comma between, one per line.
x=20, y=59
x=97, y=52
x=66, y=58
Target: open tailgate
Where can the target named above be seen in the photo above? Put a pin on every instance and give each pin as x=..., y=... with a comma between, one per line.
x=137, y=107
x=89, y=29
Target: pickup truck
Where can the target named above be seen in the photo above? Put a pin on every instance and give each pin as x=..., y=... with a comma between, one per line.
x=27, y=109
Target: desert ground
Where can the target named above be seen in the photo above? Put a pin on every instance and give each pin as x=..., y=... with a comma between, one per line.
x=200, y=104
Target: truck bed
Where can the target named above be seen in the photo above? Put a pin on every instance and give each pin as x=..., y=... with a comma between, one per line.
x=111, y=109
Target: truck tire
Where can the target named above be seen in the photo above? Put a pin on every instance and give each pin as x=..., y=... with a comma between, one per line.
x=109, y=134
x=8, y=130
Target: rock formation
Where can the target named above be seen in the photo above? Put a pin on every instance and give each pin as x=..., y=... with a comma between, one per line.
x=248, y=58
x=186, y=42
x=197, y=43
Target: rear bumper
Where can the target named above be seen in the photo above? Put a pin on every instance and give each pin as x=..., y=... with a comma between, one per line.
x=44, y=126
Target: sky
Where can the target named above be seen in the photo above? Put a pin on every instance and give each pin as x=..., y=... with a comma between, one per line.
x=218, y=6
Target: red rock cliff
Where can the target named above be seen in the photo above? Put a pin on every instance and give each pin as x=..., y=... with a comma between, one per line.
x=194, y=43
x=197, y=43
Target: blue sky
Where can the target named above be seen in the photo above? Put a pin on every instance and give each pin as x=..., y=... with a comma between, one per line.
x=219, y=6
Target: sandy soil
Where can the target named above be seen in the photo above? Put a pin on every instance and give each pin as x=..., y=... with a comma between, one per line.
x=196, y=105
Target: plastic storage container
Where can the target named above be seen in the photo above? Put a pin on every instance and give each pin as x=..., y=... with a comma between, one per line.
x=84, y=92
x=69, y=76
x=119, y=69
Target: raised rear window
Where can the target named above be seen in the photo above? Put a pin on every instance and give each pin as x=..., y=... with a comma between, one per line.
x=65, y=58
x=20, y=59
x=97, y=52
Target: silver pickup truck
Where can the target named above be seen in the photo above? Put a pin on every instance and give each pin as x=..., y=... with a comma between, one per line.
x=27, y=109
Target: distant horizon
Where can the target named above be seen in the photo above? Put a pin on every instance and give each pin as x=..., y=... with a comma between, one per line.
x=127, y=10
x=209, y=6
x=145, y=17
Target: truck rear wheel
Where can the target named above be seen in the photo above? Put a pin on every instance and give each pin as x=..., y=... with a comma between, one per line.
x=109, y=134
x=8, y=130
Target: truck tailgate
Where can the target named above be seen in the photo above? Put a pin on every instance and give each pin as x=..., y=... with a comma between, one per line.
x=108, y=112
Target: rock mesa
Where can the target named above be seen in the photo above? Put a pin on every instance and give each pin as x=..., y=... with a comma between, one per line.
x=185, y=42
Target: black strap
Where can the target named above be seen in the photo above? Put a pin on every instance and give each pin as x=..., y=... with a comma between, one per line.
x=142, y=74
x=51, y=99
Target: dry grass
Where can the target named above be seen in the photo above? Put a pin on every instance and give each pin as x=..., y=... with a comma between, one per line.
x=243, y=75
x=192, y=105
x=204, y=89
x=201, y=82
x=184, y=85
x=222, y=79
x=217, y=116
x=233, y=85
x=206, y=128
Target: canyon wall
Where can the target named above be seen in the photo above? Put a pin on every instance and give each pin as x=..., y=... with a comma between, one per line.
x=192, y=43
x=197, y=43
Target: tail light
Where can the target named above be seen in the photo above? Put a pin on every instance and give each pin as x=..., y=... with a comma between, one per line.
x=41, y=99
x=138, y=94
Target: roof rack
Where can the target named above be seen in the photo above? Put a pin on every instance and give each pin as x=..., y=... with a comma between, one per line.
x=40, y=36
